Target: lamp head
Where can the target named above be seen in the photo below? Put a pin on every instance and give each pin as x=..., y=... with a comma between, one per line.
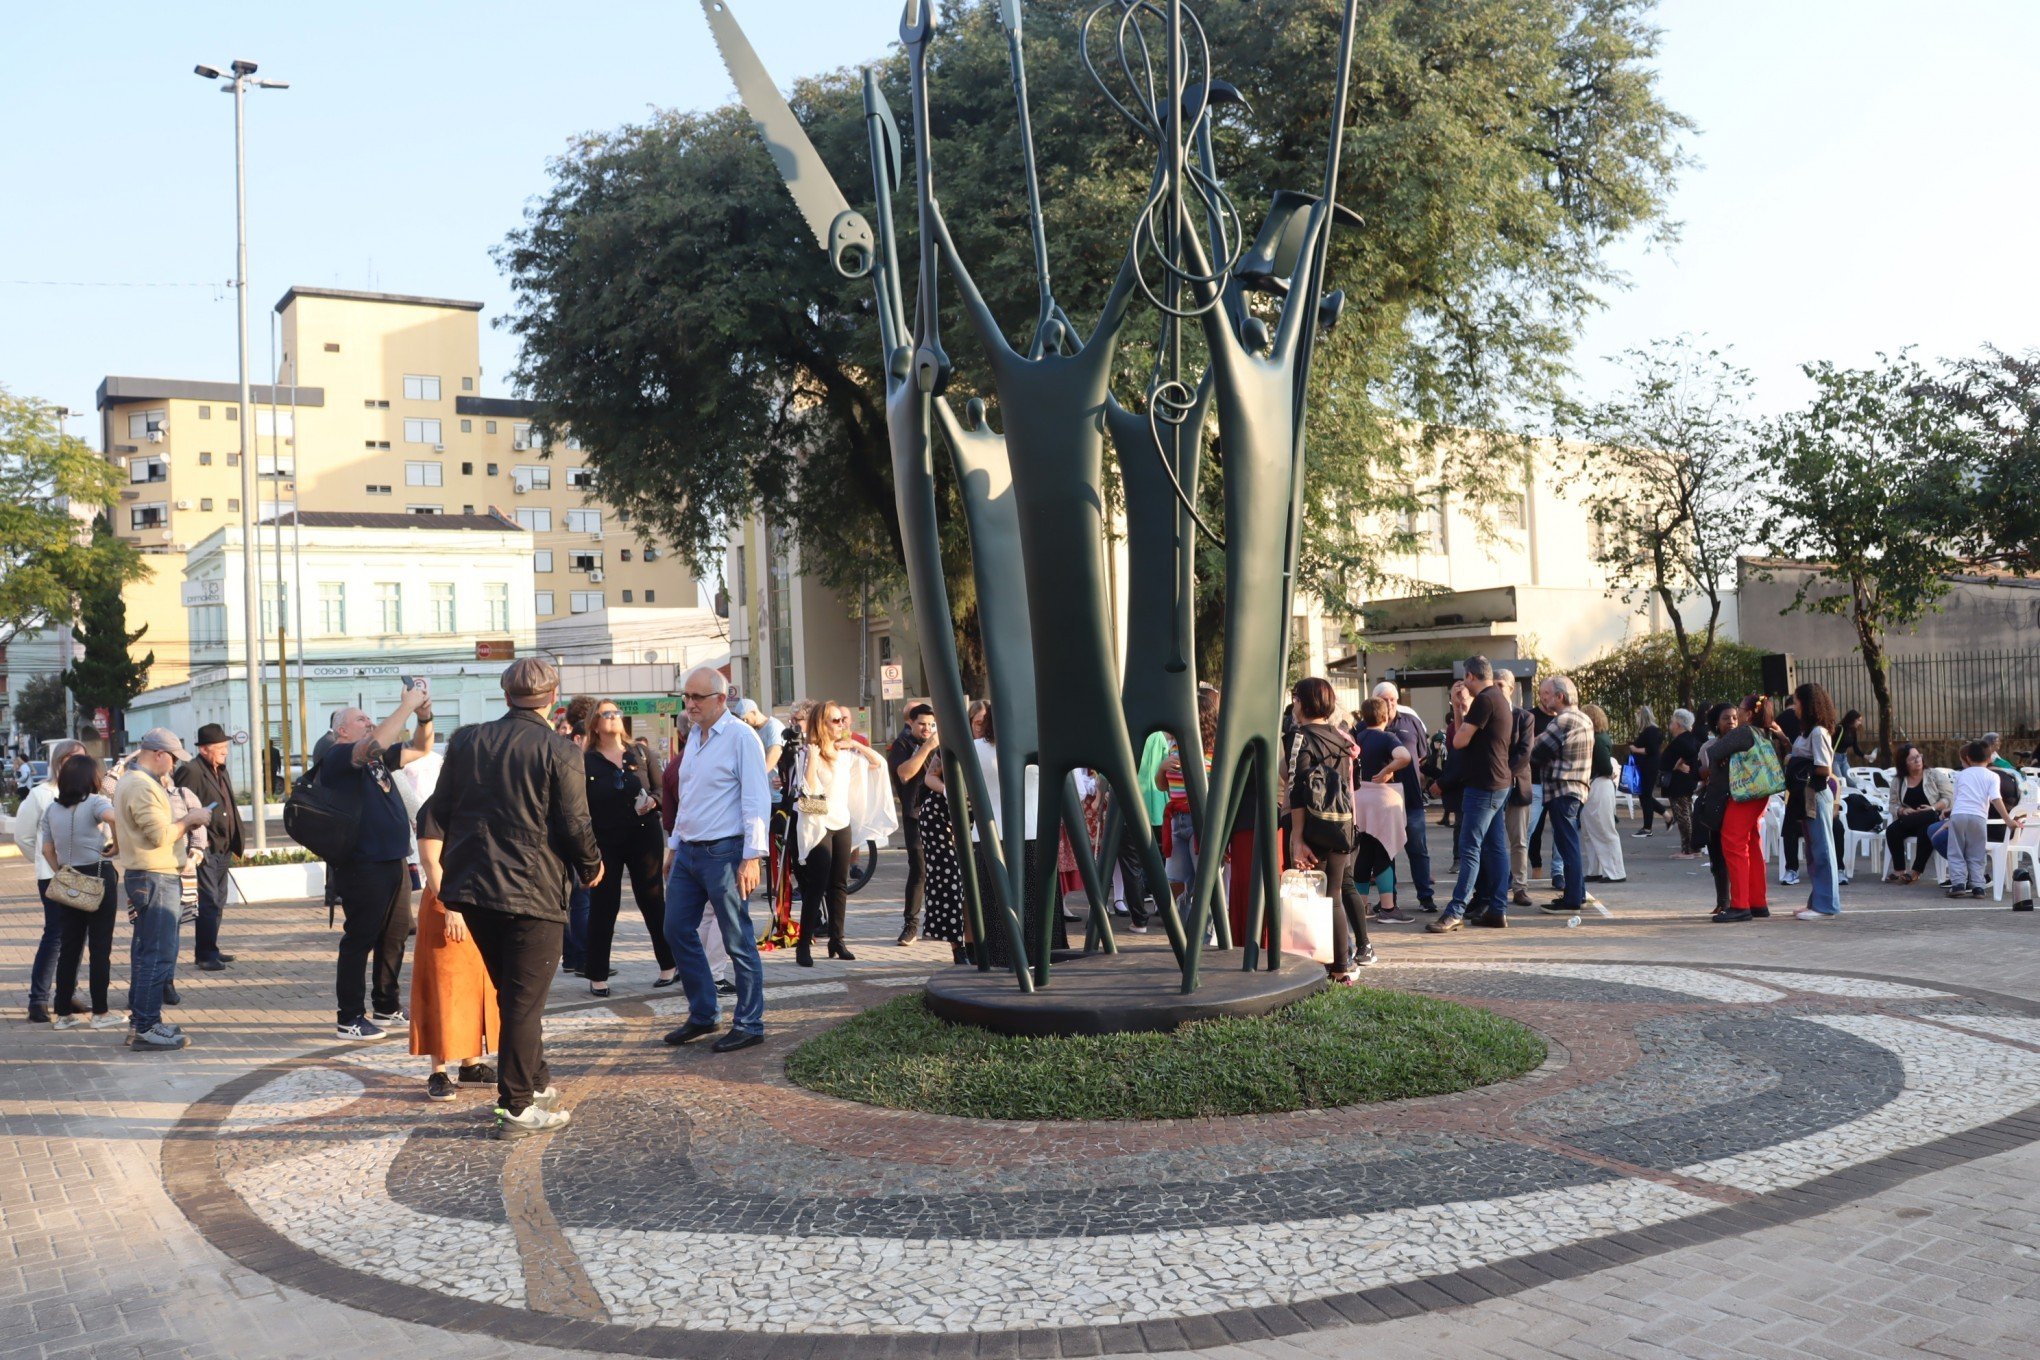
x=243, y=68
x=205, y=72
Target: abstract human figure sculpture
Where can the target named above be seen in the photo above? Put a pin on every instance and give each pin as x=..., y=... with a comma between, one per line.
x=1034, y=493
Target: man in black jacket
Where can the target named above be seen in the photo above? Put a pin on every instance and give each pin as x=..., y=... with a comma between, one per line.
x=1516, y=814
x=205, y=776
x=513, y=802
x=907, y=760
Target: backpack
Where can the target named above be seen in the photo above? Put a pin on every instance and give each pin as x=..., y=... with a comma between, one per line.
x=1860, y=813
x=325, y=821
x=1324, y=770
x=1755, y=774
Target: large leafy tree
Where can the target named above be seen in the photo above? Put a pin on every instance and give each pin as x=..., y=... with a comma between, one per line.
x=676, y=315
x=1668, y=487
x=1995, y=398
x=1869, y=485
x=46, y=564
x=108, y=676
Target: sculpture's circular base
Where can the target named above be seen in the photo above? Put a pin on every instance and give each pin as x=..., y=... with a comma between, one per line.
x=1139, y=988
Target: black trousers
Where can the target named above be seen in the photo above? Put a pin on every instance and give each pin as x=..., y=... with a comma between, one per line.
x=826, y=870
x=1717, y=863
x=1349, y=913
x=212, y=904
x=375, y=911
x=642, y=860
x=1913, y=825
x=93, y=931
x=521, y=953
x=917, y=872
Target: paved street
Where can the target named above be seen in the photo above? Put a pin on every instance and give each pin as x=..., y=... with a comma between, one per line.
x=1763, y=1163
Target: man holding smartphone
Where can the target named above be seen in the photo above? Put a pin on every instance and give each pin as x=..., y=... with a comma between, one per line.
x=374, y=881
x=205, y=777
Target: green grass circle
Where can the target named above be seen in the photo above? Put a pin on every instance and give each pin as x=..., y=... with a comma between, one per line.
x=1339, y=1046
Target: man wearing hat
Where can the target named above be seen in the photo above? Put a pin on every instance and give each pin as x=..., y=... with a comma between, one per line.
x=205, y=777
x=513, y=802
x=147, y=834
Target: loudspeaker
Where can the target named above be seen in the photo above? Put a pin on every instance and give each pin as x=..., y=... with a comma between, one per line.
x=1778, y=676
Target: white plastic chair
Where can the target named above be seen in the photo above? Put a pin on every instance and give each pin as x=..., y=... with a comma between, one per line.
x=2021, y=845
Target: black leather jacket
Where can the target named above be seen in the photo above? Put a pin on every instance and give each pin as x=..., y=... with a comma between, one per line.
x=513, y=803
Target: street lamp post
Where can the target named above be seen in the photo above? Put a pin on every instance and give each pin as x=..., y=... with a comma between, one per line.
x=238, y=85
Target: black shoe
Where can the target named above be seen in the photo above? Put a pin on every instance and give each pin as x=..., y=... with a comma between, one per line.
x=689, y=1032
x=841, y=951
x=735, y=1040
x=439, y=1086
x=803, y=955
x=599, y=990
x=212, y=966
x=477, y=1074
x=223, y=958
x=1976, y=892
x=1446, y=924
x=1760, y=913
x=1729, y=917
x=39, y=1015
x=1558, y=906
x=1493, y=920
x=665, y=981
x=1427, y=904
x=909, y=935
x=726, y=987
x=170, y=996
x=1392, y=915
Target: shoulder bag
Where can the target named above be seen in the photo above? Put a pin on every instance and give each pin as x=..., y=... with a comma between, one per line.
x=1755, y=774
x=79, y=889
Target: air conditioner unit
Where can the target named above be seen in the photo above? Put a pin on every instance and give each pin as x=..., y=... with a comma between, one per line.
x=184, y=505
x=439, y=448
x=155, y=436
x=521, y=487
x=521, y=445
x=595, y=575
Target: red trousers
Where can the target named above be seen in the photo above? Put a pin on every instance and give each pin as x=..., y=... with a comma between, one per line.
x=1742, y=846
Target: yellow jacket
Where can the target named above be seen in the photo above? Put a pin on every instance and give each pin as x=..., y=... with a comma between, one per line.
x=142, y=818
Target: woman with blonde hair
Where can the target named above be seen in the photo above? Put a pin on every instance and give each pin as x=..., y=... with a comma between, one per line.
x=1600, y=844
x=623, y=805
x=843, y=798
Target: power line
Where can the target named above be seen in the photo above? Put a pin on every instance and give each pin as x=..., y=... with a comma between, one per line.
x=106, y=283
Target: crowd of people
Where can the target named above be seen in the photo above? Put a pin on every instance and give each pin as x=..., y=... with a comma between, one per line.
x=524, y=831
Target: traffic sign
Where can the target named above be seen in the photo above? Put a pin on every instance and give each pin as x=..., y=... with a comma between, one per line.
x=892, y=681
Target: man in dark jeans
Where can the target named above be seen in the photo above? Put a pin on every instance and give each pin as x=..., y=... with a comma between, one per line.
x=205, y=777
x=1486, y=726
x=374, y=881
x=1565, y=755
x=908, y=762
x=512, y=801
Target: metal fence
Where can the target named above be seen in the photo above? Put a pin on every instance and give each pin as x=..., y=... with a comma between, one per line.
x=1938, y=701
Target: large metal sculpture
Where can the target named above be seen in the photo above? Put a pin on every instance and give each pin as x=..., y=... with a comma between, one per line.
x=1033, y=492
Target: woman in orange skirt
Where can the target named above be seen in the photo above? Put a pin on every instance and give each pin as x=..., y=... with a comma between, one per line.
x=453, y=1004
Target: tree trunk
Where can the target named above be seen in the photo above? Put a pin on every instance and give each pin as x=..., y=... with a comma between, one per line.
x=1871, y=645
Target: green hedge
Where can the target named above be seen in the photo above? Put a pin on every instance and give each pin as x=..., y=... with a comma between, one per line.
x=1647, y=672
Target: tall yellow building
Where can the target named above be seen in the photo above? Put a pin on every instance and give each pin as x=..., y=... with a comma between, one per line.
x=377, y=407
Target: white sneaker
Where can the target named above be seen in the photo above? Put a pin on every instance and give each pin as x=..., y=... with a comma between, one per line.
x=1809, y=914
x=535, y=1120
x=1788, y=878
x=108, y=1020
x=71, y=1021
x=547, y=1098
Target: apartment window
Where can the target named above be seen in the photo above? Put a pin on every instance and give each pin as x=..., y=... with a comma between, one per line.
x=205, y=502
x=467, y=509
x=148, y=516
x=421, y=431
x=650, y=597
x=270, y=423
x=389, y=603
x=574, y=441
x=332, y=609
x=467, y=384
x=233, y=413
x=584, y=561
x=205, y=460
x=496, y=606
x=1518, y=514
x=584, y=521
x=521, y=438
x=580, y=478
x=377, y=489
x=539, y=521
x=491, y=468
x=234, y=504
x=233, y=459
x=205, y=413
x=651, y=554
x=467, y=427
x=148, y=470
x=527, y=477
x=425, y=509
x=424, y=474
x=584, y=601
x=488, y=427
x=142, y=424
x=626, y=597
x=542, y=601
x=542, y=560
x=442, y=607
x=375, y=443
x=332, y=348
x=1433, y=526
x=275, y=606
x=421, y=387
x=623, y=556
x=368, y=403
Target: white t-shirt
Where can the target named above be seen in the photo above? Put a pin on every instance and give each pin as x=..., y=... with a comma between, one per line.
x=1975, y=786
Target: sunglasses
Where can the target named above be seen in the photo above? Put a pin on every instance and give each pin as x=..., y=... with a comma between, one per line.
x=610, y=713
x=839, y=720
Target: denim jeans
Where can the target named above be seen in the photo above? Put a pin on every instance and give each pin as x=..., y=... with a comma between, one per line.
x=705, y=876
x=1568, y=866
x=1417, y=847
x=154, y=900
x=1826, y=877
x=42, y=975
x=1483, y=842
x=573, y=952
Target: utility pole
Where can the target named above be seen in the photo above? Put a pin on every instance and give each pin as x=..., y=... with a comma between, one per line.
x=66, y=640
x=251, y=629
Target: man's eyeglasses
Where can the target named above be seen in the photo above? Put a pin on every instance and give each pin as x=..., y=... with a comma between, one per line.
x=700, y=698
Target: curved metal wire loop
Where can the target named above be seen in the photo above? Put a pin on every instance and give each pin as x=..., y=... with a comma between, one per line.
x=1170, y=403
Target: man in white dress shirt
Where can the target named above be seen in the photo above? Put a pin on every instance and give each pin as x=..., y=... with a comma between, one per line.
x=713, y=859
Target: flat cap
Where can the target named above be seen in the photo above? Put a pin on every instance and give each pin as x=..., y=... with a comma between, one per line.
x=163, y=739
x=530, y=682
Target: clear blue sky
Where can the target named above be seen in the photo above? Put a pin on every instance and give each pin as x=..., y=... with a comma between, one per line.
x=1866, y=177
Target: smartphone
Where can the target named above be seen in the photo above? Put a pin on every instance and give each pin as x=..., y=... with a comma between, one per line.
x=422, y=683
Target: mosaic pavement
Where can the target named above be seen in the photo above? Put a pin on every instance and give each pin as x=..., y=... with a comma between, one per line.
x=701, y=1200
